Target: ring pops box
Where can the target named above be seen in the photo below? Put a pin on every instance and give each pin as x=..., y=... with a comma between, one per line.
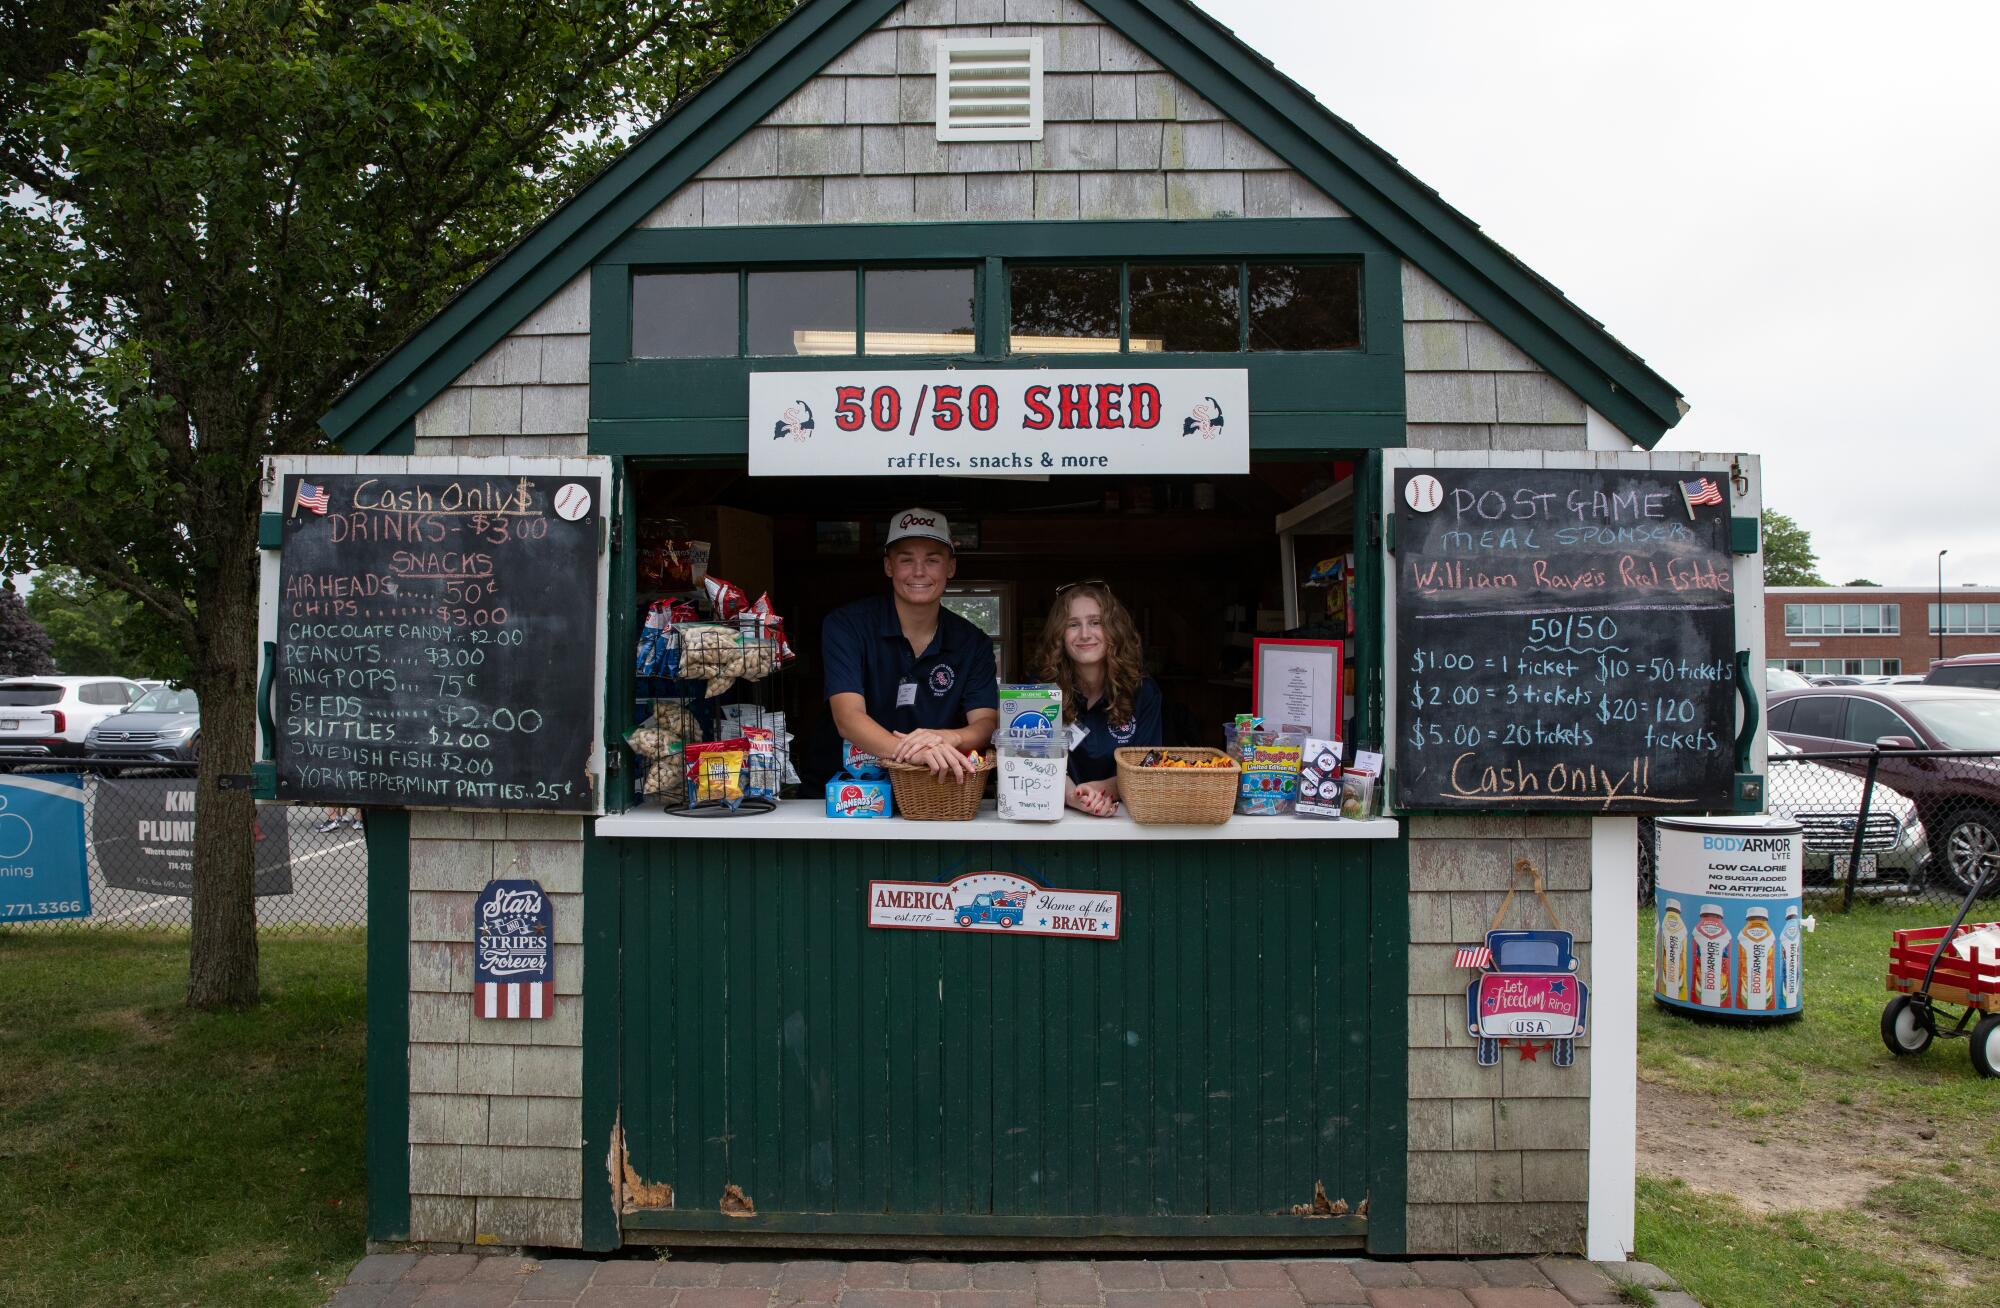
x=1031, y=783
x=1319, y=779
x=859, y=797
x=1030, y=714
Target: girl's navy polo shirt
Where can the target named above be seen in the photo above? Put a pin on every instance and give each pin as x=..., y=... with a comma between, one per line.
x=865, y=654
x=1092, y=756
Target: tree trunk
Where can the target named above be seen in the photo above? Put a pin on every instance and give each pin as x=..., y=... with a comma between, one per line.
x=222, y=955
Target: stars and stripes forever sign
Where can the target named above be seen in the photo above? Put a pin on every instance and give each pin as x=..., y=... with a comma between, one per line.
x=513, y=965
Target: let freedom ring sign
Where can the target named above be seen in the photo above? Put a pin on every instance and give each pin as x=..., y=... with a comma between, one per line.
x=1000, y=423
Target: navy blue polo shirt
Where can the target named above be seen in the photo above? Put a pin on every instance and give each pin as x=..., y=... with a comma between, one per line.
x=1091, y=757
x=865, y=654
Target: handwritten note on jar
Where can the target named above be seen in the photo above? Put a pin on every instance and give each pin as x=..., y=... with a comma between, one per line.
x=1031, y=788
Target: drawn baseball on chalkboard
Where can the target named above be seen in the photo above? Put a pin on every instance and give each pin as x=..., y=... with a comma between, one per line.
x=16, y=836
x=1424, y=493
x=572, y=501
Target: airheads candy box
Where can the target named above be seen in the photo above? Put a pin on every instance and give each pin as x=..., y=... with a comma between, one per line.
x=849, y=798
x=858, y=762
x=1030, y=714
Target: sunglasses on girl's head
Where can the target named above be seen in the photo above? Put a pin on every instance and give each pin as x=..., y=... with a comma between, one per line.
x=1068, y=586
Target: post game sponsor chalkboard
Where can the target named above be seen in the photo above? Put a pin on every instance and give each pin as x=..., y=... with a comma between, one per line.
x=1565, y=641
x=436, y=640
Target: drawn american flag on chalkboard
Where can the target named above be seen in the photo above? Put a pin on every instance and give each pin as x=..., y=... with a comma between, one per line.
x=312, y=497
x=529, y=999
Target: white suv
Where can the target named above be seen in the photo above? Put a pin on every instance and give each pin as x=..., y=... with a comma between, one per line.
x=48, y=717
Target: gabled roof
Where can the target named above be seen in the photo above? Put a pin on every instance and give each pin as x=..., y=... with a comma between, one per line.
x=1327, y=151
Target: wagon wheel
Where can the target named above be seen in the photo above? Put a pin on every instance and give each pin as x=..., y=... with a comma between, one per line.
x=1906, y=1027
x=1986, y=1045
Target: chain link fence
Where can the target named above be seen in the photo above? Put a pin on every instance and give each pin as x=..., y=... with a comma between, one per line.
x=1908, y=826
x=138, y=822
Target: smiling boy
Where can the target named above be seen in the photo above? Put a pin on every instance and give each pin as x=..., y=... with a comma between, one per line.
x=906, y=678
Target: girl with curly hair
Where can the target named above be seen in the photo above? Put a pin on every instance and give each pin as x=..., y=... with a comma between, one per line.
x=1090, y=649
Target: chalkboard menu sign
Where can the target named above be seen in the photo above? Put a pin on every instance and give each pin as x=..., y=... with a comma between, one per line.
x=437, y=640
x=1565, y=641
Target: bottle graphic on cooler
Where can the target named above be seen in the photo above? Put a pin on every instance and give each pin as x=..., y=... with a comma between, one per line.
x=1757, y=961
x=1670, y=953
x=1789, y=949
x=1709, y=952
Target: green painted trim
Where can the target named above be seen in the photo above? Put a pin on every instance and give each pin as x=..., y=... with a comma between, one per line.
x=611, y=313
x=1743, y=534
x=568, y=240
x=388, y=1073
x=998, y=1227
x=1389, y=1040
x=623, y=635
x=404, y=440
x=270, y=531
x=601, y=978
x=1245, y=238
x=727, y=439
x=1371, y=185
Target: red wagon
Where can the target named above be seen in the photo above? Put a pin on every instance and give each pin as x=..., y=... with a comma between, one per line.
x=1924, y=972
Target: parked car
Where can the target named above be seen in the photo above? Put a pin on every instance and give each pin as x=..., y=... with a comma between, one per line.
x=1826, y=804
x=49, y=717
x=164, y=726
x=1981, y=670
x=1777, y=679
x=1835, y=680
x=1958, y=799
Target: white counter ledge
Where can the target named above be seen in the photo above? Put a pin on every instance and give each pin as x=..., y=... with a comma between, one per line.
x=805, y=819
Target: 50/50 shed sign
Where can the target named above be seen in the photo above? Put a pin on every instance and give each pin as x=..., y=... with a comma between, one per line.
x=1085, y=421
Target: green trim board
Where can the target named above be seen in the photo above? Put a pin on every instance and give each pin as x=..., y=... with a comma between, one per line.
x=602, y=977
x=1409, y=216
x=1282, y=1231
x=388, y=1073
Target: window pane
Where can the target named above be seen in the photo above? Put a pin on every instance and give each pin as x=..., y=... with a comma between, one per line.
x=1892, y=667
x=802, y=312
x=919, y=311
x=1190, y=308
x=1305, y=307
x=683, y=315
x=1795, y=618
x=1819, y=715
x=1868, y=722
x=1063, y=311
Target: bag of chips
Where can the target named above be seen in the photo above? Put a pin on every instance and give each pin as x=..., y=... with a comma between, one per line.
x=715, y=772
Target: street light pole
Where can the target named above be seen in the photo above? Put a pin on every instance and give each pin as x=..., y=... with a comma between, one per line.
x=1940, y=615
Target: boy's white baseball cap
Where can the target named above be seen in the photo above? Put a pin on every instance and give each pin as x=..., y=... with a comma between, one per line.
x=926, y=524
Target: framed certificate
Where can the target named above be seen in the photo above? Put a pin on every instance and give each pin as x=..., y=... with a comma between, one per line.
x=1297, y=683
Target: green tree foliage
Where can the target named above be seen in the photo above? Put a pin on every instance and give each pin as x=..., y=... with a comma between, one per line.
x=24, y=646
x=224, y=211
x=98, y=630
x=1788, y=553
x=1863, y=581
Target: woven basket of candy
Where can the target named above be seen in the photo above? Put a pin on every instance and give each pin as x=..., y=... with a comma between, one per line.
x=1167, y=787
x=924, y=796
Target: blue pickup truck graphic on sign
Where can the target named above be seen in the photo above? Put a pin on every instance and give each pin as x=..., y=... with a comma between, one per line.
x=993, y=906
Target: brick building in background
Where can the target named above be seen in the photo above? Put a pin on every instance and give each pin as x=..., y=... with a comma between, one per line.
x=1874, y=630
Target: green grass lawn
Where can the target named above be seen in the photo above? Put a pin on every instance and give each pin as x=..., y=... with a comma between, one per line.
x=150, y=1155
x=1929, y=1233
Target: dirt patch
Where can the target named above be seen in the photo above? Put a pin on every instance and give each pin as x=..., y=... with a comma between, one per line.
x=1825, y=1156
x=131, y=1023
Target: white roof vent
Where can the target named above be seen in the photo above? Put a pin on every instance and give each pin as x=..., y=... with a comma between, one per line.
x=989, y=88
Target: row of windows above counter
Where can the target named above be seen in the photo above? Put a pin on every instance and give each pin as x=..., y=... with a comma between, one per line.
x=1051, y=309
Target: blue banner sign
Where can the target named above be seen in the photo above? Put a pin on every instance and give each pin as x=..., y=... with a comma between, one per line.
x=41, y=848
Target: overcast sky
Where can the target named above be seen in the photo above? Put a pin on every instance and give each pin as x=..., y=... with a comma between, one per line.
x=1791, y=211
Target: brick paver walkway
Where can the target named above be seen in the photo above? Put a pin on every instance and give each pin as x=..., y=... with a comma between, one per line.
x=495, y=1281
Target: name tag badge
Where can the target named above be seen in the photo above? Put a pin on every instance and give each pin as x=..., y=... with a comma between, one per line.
x=906, y=694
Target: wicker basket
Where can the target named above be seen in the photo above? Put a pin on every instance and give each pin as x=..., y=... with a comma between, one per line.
x=923, y=796
x=1166, y=796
